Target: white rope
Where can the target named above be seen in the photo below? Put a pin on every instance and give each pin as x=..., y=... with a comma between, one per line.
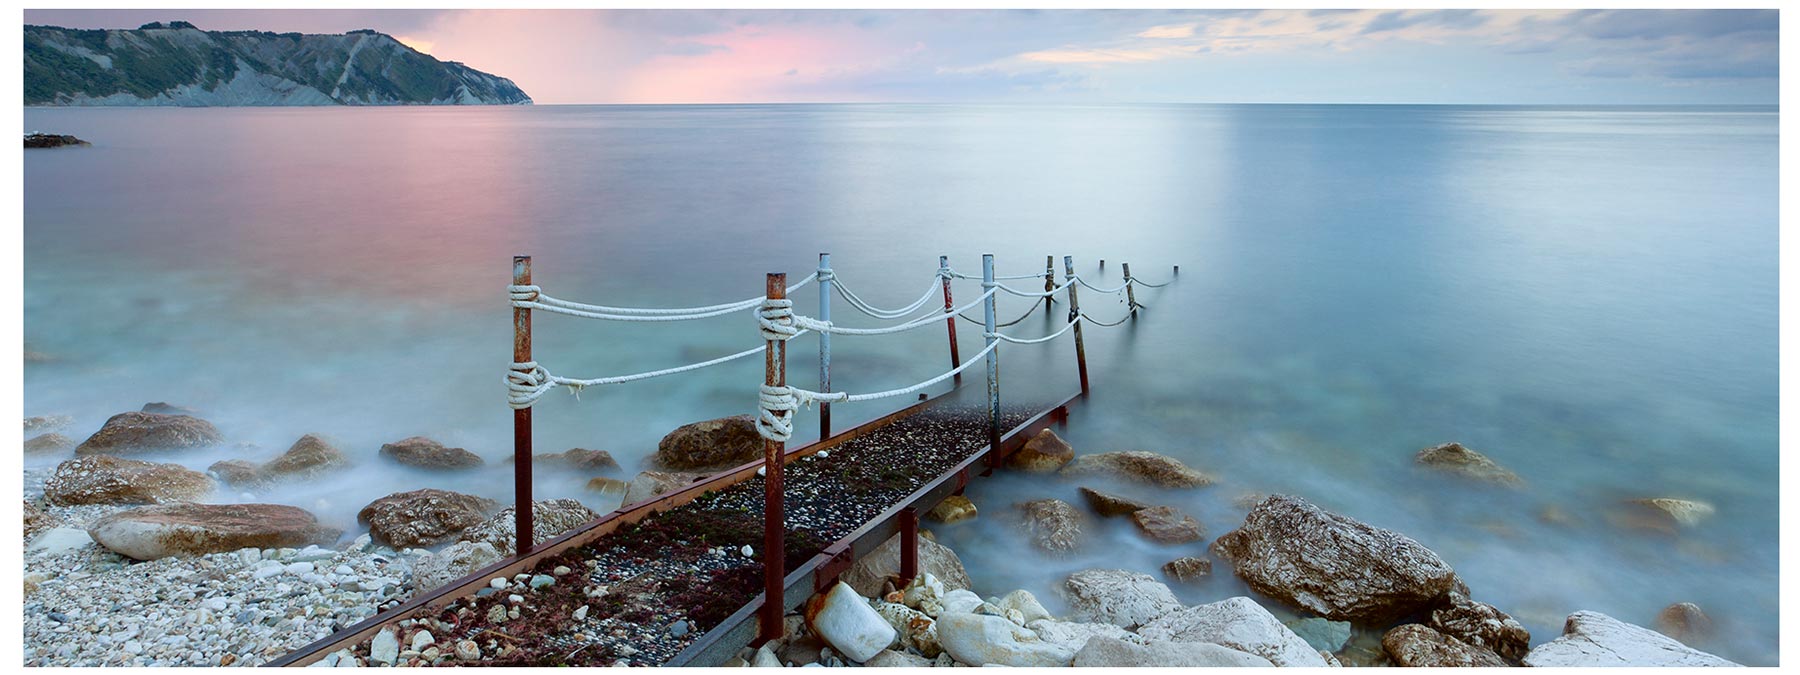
x=1033, y=294
x=533, y=297
x=863, y=306
x=1033, y=341
x=1097, y=289
x=810, y=323
x=528, y=381
x=1141, y=282
x=977, y=277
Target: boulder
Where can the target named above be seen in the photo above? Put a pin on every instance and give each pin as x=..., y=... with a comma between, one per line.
x=1025, y=604
x=959, y=600
x=47, y=422
x=1108, y=504
x=611, y=487
x=652, y=483
x=1107, y=652
x=1119, y=597
x=308, y=457
x=980, y=639
x=1167, y=524
x=36, y=140
x=1238, y=623
x=845, y=621
x=143, y=432
x=916, y=630
x=48, y=444
x=1455, y=459
x=1418, y=646
x=954, y=509
x=152, y=532
x=238, y=473
x=56, y=541
x=1334, y=566
x=868, y=573
x=1139, y=466
x=712, y=444
x=1481, y=625
x=1324, y=635
x=425, y=453
x=1074, y=635
x=1053, y=525
x=104, y=479
x=549, y=519
x=1044, y=452
x=924, y=593
x=422, y=518
x=36, y=519
x=578, y=459
x=165, y=408
x=454, y=562
x=1685, y=622
x=1593, y=639
x=1189, y=569
x=1668, y=514
x=889, y=658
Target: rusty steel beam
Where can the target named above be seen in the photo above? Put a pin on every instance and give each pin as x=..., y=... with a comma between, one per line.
x=774, y=523
x=950, y=323
x=522, y=511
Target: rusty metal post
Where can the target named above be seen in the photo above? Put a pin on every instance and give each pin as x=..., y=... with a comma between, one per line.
x=522, y=416
x=825, y=277
x=1177, y=270
x=909, y=545
x=1130, y=290
x=1049, y=281
x=993, y=357
x=1075, y=311
x=774, y=556
x=955, y=358
x=1102, y=264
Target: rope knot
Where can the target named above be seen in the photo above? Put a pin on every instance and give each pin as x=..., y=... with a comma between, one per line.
x=775, y=318
x=825, y=274
x=523, y=294
x=526, y=382
x=775, y=411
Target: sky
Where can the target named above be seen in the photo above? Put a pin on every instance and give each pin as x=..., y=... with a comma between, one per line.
x=1069, y=56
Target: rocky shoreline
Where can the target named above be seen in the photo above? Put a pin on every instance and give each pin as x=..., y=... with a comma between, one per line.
x=240, y=584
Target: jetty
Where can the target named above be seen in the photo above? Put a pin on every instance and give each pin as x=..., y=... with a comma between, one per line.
x=686, y=577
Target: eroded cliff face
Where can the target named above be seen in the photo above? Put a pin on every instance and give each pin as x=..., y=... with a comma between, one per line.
x=177, y=64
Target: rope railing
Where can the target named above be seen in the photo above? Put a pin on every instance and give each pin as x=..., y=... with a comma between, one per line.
x=860, y=305
x=533, y=297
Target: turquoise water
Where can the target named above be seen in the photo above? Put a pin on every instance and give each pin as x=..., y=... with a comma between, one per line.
x=1587, y=295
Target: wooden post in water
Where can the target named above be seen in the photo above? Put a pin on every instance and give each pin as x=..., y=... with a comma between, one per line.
x=993, y=358
x=774, y=556
x=1075, y=312
x=824, y=344
x=1130, y=290
x=1049, y=281
x=522, y=416
x=955, y=359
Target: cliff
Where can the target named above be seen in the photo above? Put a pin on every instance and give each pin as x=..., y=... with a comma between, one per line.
x=176, y=64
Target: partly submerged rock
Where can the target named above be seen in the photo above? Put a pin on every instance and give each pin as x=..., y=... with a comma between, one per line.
x=868, y=573
x=1108, y=504
x=1108, y=652
x=48, y=444
x=650, y=484
x=52, y=141
x=152, y=532
x=166, y=408
x=422, y=518
x=611, y=487
x=1417, y=646
x=980, y=639
x=954, y=509
x=1189, y=569
x=1592, y=639
x=1053, y=524
x=1119, y=597
x=237, y=473
x=1668, y=513
x=130, y=432
x=1140, y=466
x=1323, y=634
x=1168, y=525
x=1238, y=623
x=549, y=519
x=1044, y=452
x=579, y=459
x=845, y=621
x=308, y=457
x=104, y=479
x=424, y=453
x=1455, y=459
x=47, y=422
x=1481, y=625
x=1685, y=622
x=711, y=444
x=1332, y=565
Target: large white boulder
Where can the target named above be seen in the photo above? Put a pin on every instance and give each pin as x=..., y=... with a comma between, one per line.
x=1594, y=639
x=152, y=532
x=1238, y=623
x=916, y=630
x=1119, y=597
x=1075, y=635
x=981, y=639
x=1106, y=652
x=57, y=541
x=845, y=621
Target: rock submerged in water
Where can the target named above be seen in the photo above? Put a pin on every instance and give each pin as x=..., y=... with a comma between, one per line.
x=47, y=422
x=1140, y=466
x=1685, y=622
x=52, y=141
x=48, y=444
x=1481, y=625
x=1043, y=453
x=1108, y=652
x=1053, y=524
x=424, y=453
x=237, y=473
x=579, y=459
x=104, y=479
x=1119, y=597
x=868, y=573
x=130, y=432
x=1332, y=565
x=1167, y=525
x=1417, y=646
x=310, y=456
x=1188, y=569
x=152, y=532
x=653, y=483
x=1455, y=459
x=1668, y=513
x=1593, y=639
x=1238, y=623
x=425, y=517
x=954, y=509
x=711, y=444
x=1109, y=505
x=611, y=487
x=549, y=519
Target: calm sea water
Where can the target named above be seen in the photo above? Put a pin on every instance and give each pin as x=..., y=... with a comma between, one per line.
x=1587, y=295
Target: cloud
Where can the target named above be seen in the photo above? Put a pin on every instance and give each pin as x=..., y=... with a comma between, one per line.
x=1447, y=18
x=1166, y=32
